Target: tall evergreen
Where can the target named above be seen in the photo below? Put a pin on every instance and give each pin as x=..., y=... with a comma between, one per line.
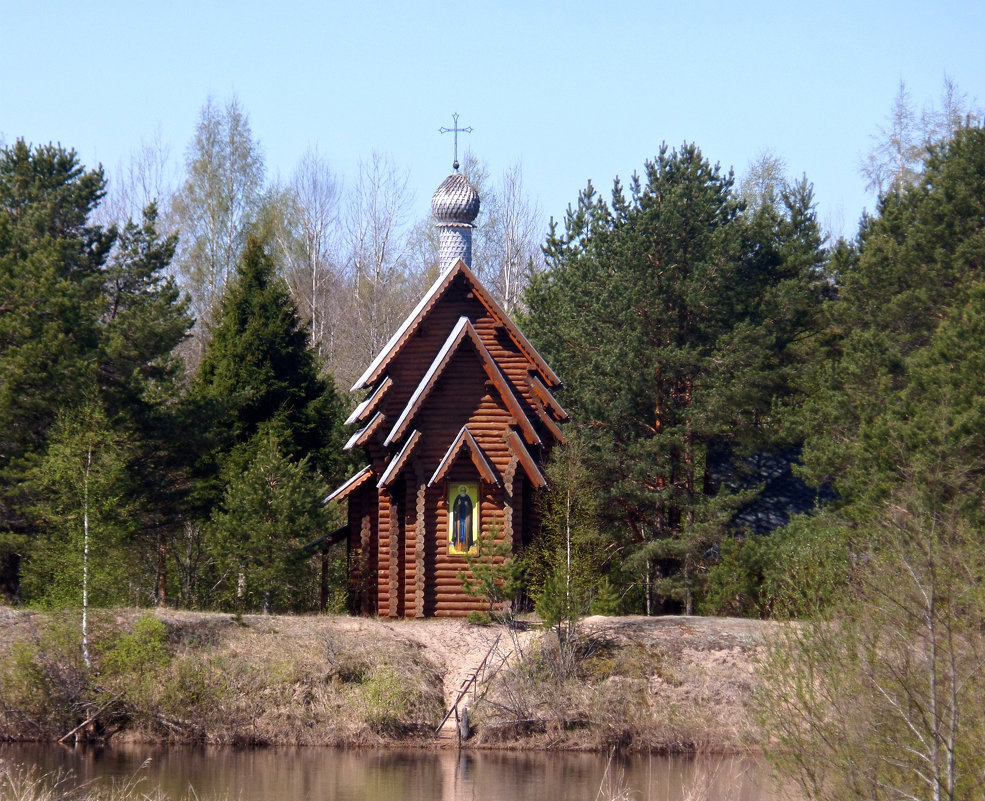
x=670, y=315
x=269, y=511
x=273, y=431
x=88, y=316
x=259, y=373
x=912, y=282
x=50, y=285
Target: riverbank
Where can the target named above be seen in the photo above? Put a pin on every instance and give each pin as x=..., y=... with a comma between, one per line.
x=640, y=684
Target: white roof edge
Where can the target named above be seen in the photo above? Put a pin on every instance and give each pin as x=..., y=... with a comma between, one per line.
x=526, y=451
x=557, y=404
x=449, y=343
x=354, y=439
x=482, y=455
x=455, y=444
x=524, y=342
x=463, y=325
x=348, y=483
x=398, y=334
x=368, y=401
x=509, y=388
x=396, y=460
x=352, y=418
x=453, y=450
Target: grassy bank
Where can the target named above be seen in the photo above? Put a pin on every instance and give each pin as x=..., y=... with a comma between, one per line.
x=668, y=684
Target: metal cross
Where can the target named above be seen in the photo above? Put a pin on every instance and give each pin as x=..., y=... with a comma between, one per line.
x=456, y=131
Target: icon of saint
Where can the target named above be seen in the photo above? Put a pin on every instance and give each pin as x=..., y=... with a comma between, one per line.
x=462, y=520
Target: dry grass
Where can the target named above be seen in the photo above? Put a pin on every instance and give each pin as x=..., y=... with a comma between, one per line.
x=250, y=681
x=668, y=684
x=680, y=688
x=19, y=783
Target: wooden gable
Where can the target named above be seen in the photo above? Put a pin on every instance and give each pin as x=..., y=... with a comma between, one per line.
x=482, y=464
x=457, y=396
x=423, y=309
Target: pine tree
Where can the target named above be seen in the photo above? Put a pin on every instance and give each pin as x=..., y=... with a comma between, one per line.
x=912, y=278
x=87, y=313
x=50, y=260
x=670, y=315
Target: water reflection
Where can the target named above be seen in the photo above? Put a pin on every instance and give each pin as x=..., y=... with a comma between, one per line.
x=315, y=774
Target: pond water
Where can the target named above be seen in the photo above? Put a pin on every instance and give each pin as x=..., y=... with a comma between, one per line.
x=318, y=774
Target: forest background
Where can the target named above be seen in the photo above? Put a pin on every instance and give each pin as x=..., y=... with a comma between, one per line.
x=175, y=358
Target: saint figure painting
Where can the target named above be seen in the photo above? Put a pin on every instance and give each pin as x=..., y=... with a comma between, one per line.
x=463, y=505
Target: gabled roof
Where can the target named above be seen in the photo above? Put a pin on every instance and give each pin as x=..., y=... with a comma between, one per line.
x=397, y=462
x=361, y=437
x=549, y=424
x=423, y=308
x=463, y=330
x=362, y=411
x=464, y=439
x=527, y=462
x=343, y=492
x=539, y=390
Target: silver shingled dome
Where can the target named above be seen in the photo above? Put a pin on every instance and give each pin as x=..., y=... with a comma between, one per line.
x=455, y=201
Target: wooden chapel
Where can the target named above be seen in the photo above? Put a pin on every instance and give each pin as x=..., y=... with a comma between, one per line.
x=457, y=423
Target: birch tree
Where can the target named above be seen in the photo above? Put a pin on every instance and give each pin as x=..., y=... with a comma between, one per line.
x=381, y=287
x=79, y=559
x=308, y=232
x=901, y=147
x=514, y=239
x=217, y=203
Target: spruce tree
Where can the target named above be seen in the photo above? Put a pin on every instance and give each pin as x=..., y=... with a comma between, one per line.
x=912, y=280
x=270, y=510
x=259, y=370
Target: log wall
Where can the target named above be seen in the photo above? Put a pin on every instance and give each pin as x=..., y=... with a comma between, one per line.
x=409, y=559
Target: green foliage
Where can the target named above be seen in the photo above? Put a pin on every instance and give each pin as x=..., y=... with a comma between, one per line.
x=879, y=699
x=385, y=698
x=45, y=679
x=83, y=486
x=136, y=652
x=494, y=573
x=916, y=270
x=673, y=317
x=565, y=560
x=258, y=370
x=569, y=546
x=90, y=315
x=560, y=603
x=607, y=600
x=793, y=572
x=270, y=511
x=50, y=259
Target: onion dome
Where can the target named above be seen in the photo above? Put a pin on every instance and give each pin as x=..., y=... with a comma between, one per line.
x=455, y=201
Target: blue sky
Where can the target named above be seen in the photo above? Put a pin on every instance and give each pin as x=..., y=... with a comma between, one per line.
x=573, y=90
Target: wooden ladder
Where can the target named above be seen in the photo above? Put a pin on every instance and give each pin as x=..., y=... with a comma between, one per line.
x=471, y=681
